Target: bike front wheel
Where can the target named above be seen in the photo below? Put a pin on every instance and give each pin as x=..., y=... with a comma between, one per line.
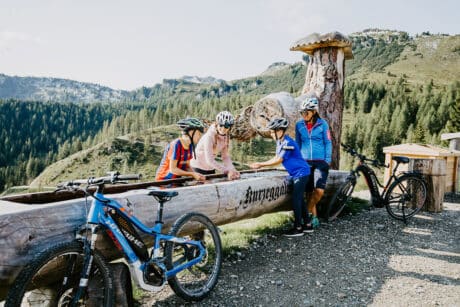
x=340, y=198
x=197, y=281
x=406, y=196
x=53, y=278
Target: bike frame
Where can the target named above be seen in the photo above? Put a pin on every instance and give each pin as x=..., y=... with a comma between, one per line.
x=98, y=215
x=373, y=182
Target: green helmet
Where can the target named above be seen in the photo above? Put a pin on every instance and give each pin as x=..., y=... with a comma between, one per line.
x=191, y=123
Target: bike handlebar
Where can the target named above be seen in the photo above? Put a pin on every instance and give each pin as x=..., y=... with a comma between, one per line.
x=114, y=177
x=129, y=177
x=362, y=157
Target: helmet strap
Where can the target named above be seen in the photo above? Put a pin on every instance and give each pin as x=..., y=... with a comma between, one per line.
x=217, y=130
x=313, y=118
x=191, y=142
x=282, y=136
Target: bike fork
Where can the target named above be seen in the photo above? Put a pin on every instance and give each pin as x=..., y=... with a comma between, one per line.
x=88, y=250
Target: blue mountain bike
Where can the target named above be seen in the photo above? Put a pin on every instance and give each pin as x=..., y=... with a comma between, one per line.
x=75, y=273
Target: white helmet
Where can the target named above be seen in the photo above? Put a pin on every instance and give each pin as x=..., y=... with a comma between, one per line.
x=278, y=123
x=225, y=119
x=310, y=103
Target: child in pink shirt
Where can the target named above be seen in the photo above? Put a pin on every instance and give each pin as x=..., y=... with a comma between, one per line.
x=216, y=140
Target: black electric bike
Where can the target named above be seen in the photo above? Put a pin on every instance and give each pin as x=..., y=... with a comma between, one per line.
x=403, y=195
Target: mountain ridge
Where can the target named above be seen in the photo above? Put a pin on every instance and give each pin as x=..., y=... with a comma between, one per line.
x=379, y=55
x=56, y=89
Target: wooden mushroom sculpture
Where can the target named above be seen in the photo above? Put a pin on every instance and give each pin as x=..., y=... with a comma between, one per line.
x=325, y=78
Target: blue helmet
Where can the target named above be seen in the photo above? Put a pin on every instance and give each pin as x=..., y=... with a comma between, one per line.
x=310, y=103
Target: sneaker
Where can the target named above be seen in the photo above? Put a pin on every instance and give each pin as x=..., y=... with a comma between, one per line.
x=294, y=232
x=307, y=228
x=315, y=222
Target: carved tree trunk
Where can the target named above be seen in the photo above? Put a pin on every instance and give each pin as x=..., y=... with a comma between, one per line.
x=254, y=119
x=325, y=75
x=243, y=131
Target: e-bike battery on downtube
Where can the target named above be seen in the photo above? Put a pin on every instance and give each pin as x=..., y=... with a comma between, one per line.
x=371, y=180
x=130, y=233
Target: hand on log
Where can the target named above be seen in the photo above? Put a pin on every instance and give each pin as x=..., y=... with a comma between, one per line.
x=198, y=177
x=232, y=175
x=255, y=165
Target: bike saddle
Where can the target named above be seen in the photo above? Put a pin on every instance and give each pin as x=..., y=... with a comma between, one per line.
x=400, y=159
x=163, y=194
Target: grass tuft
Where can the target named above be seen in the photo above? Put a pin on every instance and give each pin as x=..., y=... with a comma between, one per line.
x=239, y=235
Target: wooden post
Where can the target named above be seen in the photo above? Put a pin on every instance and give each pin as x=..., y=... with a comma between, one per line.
x=454, y=145
x=453, y=138
x=434, y=173
x=325, y=77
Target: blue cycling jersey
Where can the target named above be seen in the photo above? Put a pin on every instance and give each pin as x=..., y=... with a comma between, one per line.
x=293, y=162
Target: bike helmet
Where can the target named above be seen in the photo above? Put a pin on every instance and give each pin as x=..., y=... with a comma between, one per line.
x=225, y=119
x=310, y=103
x=278, y=123
x=191, y=123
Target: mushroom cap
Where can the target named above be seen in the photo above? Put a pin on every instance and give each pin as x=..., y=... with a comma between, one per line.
x=314, y=41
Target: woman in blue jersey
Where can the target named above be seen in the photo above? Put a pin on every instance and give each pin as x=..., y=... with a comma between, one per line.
x=314, y=140
x=289, y=155
x=178, y=153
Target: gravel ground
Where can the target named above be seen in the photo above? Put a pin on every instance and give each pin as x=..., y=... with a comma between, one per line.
x=366, y=259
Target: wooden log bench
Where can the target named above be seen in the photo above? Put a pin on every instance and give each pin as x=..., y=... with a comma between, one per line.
x=29, y=227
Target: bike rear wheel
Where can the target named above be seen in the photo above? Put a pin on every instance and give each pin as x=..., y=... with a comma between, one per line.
x=406, y=196
x=53, y=277
x=340, y=198
x=196, y=282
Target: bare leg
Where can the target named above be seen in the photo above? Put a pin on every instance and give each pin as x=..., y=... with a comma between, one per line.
x=314, y=198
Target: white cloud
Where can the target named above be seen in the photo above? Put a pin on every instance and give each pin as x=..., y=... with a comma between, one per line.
x=299, y=17
x=10, y=40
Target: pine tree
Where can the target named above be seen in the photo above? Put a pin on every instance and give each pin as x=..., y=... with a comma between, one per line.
x=30, y=173
x=453, y=124
x=419, y=135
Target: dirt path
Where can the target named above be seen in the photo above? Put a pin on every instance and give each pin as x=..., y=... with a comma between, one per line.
x=366, y=259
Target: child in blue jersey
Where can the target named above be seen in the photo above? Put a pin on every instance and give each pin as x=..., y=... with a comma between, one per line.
x=288, y=153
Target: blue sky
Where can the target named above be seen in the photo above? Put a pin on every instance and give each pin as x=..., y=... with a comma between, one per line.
x=129, y=44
